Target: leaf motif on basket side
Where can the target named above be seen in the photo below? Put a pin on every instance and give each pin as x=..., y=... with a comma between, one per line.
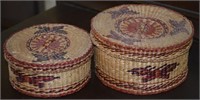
x=178, y=26
x=33, y=79
x=149, y=73
x=122, y=11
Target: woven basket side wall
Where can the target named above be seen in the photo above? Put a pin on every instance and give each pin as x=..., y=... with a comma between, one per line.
x=136, y=57
x=132, y=88
x=119, y=68
x=48, y=81
x=53, y=92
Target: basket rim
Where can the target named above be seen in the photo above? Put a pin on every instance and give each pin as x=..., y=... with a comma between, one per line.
x=147, y=50
x=141, y=59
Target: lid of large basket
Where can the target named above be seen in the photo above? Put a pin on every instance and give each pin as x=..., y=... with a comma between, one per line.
x=142, y=26
x=48, y=44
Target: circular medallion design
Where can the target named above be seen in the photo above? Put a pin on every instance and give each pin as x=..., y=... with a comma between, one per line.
x=141, y=28
x=48, y=44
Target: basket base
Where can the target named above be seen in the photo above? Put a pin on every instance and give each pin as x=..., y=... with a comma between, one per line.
x=62, y=90
x=125, y=88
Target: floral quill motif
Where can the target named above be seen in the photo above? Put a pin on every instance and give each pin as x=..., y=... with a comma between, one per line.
x=122, y=11
x=57, y=56
x=178, y=27
x=129, y=41
x=34, y=80
x=48, y=43
x=46, y=29
x=149, y=73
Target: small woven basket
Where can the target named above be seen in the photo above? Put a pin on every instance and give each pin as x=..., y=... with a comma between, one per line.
x=49, y=60
x=141, y=49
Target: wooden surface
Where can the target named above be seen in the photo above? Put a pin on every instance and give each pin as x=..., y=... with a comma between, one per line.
x=95, y=89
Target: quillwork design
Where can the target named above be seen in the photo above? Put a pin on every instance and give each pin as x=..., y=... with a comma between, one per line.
x=122, y=11
x=178, y=26
x=149, y=73
x=49, y=43
x=35, y=80
x=130, y=30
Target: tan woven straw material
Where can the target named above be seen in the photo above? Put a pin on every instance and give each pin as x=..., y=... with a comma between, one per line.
x=49, y=60
x=141, y=49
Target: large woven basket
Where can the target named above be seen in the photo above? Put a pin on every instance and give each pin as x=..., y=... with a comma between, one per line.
x=141, y=49
x=49, y=60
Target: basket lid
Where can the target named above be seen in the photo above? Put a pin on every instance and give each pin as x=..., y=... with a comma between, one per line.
x=141, y=26
x=48, y=45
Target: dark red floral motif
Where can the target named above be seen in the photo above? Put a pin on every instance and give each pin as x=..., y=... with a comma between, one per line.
x=141, y=28
x=134, y=29
x=34, y=80
x=49, y=43
x=149, y=73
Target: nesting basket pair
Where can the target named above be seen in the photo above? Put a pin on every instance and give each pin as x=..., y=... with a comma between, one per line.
x=139, y=49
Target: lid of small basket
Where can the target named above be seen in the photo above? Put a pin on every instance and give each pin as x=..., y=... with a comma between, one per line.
x=142, y=26
x=49, y=44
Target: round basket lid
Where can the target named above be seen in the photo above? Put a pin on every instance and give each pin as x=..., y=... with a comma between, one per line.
x=141, y=26
x=48, y=45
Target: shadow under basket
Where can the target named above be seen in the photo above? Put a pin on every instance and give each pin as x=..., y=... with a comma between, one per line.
x=141, y=49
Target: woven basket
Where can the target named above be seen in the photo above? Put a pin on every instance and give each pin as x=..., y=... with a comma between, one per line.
x=49, y=60
x=141, y=49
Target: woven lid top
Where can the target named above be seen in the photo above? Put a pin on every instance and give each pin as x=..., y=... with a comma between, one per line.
x=48, y=44
x=142, y=26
